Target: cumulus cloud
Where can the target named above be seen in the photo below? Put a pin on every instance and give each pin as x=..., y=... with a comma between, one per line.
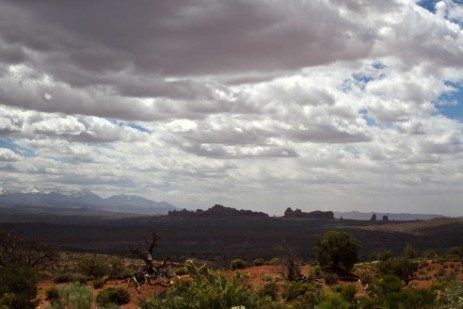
x=7, y=155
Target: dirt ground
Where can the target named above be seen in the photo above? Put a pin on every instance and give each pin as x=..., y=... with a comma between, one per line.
x=429, y=272
x=258, y=276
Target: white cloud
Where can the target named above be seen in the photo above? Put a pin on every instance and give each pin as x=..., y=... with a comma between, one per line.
x=312, y=104
x=7, y=155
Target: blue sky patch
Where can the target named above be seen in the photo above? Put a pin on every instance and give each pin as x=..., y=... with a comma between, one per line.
x=361, y=80
x=378, y=65
x=429, y=5
x=129, y=124
x=137, y=127
x=450, y=104
x=8, y=143
x=370, y=121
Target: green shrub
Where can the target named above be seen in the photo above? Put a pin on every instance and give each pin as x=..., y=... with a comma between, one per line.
x=112, y=295
x=334, y=301
x=312, y=274
x=149, y=303
x=389, y=284
x=369, y=303
x=237, y=264
x=440, y=273
x=297, y=292
x=258, y=262
x=292, y=271
x=449, y=294
x=79, y=278
x=337, y=249
x=117, y=268
x=402, y=267
x=52, y=293
x=62, y=278
x=181, y=271
x=269, y=289
x=429, y=254
x=274, y=261
x=407, y=298
x=17, y=286
x=348, y=292
x=331, y=278
x=380, y=255
x=94, y=265
x=389, y=292
x=455, y=253
x=409, y=252
x=98, y=283
x=294, y=290
x=76, y=296
x=208, y=289
x=367, y=276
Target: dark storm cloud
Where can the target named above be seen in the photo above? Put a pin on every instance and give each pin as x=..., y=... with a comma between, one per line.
x=178, y=38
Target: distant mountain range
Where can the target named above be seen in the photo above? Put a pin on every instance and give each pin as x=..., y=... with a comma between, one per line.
x=84, y=199
x=54, y=201
x=356, y=215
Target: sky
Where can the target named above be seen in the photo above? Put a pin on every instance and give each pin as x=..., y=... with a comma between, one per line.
x=256, y=104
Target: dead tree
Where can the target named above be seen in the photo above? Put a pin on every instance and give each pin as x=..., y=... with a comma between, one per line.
x=31, y=253
x=161, y=272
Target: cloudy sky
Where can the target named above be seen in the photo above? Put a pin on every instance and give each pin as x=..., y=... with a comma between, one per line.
x=255, y=104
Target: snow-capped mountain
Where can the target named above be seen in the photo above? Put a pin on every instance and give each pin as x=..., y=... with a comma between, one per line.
x=83, y=199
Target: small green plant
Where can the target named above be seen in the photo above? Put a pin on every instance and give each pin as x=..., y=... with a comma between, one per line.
x=334, y=300
x=62, y=278
x=409, y=252
x=266, y=277
x=94, y=265
x=17, y=286
x=429, y=254
x=455, y=253
x=258, y=262
x=314, y=272
x=449, y=294
x=269, y=289
x=76, y=296
x=181, y=271
x=331, y=278
x=237, y=264
x=112, y=295
x=380, y=255
x=368, y=276
x=274, y=261
x=98, y=283
x=308, y=295
x=402, y=267
x=52, y=293
x=79, y=278
x=348, y=293
x=440, y=273
x=117, y=268
x=208, y=289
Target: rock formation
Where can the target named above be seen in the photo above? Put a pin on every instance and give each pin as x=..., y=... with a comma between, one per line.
x=217, y=211
x=317, y=214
